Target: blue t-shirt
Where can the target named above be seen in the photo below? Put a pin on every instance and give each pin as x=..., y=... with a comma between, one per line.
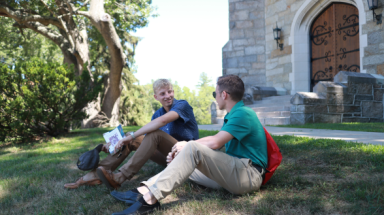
x=185, y=127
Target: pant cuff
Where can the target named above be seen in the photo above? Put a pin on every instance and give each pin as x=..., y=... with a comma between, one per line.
x=127, y=176
x=156, y=192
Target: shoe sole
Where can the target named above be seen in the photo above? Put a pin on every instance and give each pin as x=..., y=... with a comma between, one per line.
x=104, y=179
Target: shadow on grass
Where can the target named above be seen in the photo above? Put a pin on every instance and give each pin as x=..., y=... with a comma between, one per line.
x=315, y=177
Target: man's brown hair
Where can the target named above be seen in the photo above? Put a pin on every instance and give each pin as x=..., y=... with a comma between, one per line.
x=233, y=85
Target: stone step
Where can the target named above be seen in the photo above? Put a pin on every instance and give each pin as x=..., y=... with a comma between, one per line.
x=273, y=114
x=276, y=121
x=272, y=108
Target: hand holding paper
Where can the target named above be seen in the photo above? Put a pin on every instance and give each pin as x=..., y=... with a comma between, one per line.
x=113, y=138
x=122, y=142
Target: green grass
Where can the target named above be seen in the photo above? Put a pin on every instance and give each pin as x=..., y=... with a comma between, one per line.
x=319, y=176
x=350, y=126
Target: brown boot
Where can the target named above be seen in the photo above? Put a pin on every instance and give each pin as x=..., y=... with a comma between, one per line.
x=81, y=182
x=111, y=180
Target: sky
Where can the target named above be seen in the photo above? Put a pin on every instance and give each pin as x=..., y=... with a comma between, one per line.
x=184, y=40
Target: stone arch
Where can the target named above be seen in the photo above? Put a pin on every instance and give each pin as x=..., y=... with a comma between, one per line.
x=299, y=39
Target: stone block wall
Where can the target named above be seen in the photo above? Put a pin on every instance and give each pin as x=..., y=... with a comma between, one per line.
x=251, y=51
x=373, y=60
x=279, y=62
x=244, y=53
x=353, y=97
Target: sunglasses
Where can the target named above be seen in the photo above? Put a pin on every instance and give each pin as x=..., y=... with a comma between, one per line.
x=214, y=93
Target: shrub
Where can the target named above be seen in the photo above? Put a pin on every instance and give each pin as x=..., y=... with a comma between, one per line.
x=38, y=99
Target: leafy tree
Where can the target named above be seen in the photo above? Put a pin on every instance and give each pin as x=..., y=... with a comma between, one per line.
x=86, y=31
x=20, y=44
x=134, y=108
x=204, y=100
x=39, y=98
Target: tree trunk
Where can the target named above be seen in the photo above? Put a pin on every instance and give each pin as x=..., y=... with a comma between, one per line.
x=73, y=42
x=102, y=21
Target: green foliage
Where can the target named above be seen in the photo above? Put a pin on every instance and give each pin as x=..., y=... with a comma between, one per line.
x=134, y=106
x=204, y=100
x=201, y=102
x=39, y=98
x=26, y=44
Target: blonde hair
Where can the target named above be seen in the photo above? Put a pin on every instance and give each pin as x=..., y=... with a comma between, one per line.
x=161, y=83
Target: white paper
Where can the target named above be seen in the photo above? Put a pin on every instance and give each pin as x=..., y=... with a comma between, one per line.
x=112, y=137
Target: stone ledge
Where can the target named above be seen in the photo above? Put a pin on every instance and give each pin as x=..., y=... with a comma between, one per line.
x=327, y=86
x=261, y=92
x=307, y=98
x=345, y=77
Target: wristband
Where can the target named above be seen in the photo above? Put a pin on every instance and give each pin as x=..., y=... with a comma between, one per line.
x=133, y=136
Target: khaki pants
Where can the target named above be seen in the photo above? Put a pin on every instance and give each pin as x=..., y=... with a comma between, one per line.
x=236, y=175
x=155, y=146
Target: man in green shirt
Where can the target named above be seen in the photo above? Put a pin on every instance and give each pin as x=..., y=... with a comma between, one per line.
x=240, y=170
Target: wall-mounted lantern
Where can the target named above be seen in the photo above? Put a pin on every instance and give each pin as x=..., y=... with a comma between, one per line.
x=373, y=4
x=277, y=34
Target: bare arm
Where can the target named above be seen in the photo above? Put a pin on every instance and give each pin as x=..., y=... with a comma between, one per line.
x=216, y=141
x=157, y=123
x=213, y=142
x=151, y=126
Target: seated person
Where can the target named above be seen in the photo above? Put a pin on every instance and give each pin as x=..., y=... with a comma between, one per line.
x=239, y=170
x=173, y=122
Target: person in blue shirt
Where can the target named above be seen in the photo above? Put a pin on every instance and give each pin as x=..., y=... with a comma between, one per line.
x=239, y=170
x=172, y=123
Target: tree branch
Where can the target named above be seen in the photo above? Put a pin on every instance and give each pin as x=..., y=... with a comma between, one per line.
x=47, y=32
x=22, y=17
x=83, y=13
x=46, y=6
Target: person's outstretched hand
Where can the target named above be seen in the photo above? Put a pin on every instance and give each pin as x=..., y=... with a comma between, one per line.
x=105, y=148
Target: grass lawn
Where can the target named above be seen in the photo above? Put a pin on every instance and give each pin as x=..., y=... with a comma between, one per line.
x=347, y=126
x=316, y=177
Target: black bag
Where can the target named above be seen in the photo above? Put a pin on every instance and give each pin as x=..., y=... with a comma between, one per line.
x=89, y=160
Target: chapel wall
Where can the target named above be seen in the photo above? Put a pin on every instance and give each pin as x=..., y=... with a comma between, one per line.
x=252, y=53
x=373, y=60
x=244, y=53
x=279, y=63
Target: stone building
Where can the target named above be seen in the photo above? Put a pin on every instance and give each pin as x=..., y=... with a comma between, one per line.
x=319, y=39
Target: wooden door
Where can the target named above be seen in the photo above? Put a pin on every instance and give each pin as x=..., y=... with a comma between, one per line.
x=334, y=42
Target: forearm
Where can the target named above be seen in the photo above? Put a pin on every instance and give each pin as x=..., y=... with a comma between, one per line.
x=209, y=141
x=151, y=126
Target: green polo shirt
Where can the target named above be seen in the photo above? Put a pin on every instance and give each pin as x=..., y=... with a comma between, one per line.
x=249, y=137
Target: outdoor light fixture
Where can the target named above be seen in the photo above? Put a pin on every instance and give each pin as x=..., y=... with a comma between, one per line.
x=277, y=34
x=373, y=4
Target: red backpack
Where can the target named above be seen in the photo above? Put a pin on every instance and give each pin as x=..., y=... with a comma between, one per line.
x=274, y=157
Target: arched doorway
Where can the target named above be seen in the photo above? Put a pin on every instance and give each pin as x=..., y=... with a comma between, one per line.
x=335, y=45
